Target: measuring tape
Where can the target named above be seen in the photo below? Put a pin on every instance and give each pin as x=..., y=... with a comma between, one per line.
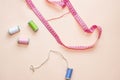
x=66, y=3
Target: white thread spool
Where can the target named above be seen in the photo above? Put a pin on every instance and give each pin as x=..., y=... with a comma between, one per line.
x=14, y=30
x=24, y=41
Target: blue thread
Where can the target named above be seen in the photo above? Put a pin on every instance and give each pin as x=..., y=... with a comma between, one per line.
x=68, y=74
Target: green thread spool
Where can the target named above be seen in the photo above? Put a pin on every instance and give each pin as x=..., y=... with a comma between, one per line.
x=33, y=25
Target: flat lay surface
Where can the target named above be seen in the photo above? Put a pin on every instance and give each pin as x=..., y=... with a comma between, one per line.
x=99, y=63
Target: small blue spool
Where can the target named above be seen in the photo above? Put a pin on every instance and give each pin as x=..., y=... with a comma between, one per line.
x=68, y=74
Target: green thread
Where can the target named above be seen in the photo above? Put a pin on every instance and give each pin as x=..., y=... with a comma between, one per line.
x=33, y=25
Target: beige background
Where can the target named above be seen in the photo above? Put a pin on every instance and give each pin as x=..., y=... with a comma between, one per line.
x=100, y=63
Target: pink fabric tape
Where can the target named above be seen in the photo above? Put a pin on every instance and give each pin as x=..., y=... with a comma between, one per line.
x=66, y=3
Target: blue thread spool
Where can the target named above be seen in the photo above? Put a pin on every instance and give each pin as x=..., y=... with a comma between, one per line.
x=68, y=73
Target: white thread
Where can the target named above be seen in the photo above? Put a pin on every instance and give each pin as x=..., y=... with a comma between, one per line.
x=34, y=68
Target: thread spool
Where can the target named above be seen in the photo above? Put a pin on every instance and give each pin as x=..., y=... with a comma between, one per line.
x=14, y=30
x=33, y=25
x=24, y=41
x=68, y=73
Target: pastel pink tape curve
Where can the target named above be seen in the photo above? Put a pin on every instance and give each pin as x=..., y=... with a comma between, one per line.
x=63, y=4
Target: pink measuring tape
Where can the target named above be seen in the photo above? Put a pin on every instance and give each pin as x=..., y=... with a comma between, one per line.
x=63, y=4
